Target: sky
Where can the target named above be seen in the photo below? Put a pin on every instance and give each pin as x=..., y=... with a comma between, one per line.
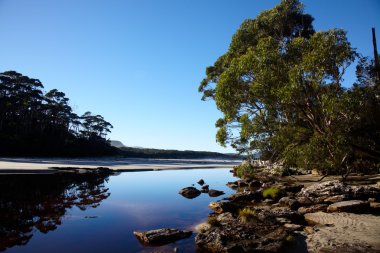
x=139, y=63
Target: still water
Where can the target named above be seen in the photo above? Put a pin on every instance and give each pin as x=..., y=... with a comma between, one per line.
x=78, y=213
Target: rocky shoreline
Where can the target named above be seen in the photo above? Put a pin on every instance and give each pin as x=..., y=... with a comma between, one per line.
x=269, y=215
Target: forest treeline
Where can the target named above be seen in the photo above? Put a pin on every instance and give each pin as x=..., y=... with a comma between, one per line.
x=173, y=154
x=279, y=87
x=38, y=123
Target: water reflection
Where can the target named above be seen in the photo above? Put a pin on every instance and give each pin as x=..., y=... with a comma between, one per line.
x=31, y=203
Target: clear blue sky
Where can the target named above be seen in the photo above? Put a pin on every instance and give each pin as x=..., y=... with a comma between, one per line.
x=139, y=63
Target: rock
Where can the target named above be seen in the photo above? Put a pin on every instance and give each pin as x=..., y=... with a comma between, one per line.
x=375, y=207
x=233, y=236
x=371, y=200
x=312, y=209
x=215, y=193
x=268, y=201
x=317, y=193
x=308, y=230
x=292, y=188
x=245, y=196
x=336, y=198
x=364, y=192
x=335, y=190
x=202, y=227
x=285, y=212
x=284, y=201
x=201, y=182
x=190, y=192
x=225, y=218
x=232, y=185
x=223, y=207
x=304, y=201
x=205, y=187
x=351, y=206
x=287, y=201
x=292, y=227
x=242, y=183
x=283, y=220
x=161, y=236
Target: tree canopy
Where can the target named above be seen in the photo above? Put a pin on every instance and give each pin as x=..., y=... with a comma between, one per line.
x=279, y=87
x=36, y=123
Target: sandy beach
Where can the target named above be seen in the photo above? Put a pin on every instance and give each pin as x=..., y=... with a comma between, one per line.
x=46, y=165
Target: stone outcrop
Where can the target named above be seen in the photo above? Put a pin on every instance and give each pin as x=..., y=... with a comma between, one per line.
x=232, y=235
x=161, y=236
x=335, y=191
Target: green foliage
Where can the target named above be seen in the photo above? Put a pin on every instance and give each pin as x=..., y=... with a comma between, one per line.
x=279, y=89
x=244, y=170
x=247, y=215
x=271, y=192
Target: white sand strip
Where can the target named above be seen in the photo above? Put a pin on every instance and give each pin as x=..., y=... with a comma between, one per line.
x=35, y=165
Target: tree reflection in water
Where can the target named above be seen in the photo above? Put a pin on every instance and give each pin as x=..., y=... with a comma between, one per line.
x=31, y=203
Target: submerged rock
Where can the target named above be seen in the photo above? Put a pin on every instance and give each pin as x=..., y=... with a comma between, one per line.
x=215, y=193
x=351, y=206
x=161, y=236
x=190, y=192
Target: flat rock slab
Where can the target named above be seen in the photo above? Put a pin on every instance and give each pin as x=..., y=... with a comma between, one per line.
x=351, y=206
x=343, y=232
x=312, y=209
x=161, y=236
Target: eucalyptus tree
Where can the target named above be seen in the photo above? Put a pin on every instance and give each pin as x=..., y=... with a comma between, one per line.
x=95, y=126
x=279, y=87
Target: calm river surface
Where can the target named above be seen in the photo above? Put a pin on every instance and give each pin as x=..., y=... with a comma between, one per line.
x=76, y=213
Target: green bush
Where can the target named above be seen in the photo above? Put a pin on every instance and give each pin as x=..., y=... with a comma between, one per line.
x=244, y=170
x=271, y=192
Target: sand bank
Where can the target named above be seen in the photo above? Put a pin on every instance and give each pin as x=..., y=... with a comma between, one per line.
x=45, y=165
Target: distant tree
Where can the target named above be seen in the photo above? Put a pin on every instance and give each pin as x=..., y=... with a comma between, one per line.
x=94, y=126
x=32, y=122
x=279, y=86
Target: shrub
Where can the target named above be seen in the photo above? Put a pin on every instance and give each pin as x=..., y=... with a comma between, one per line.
x=244, y=170
x=271, y=192
x=247, y=215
